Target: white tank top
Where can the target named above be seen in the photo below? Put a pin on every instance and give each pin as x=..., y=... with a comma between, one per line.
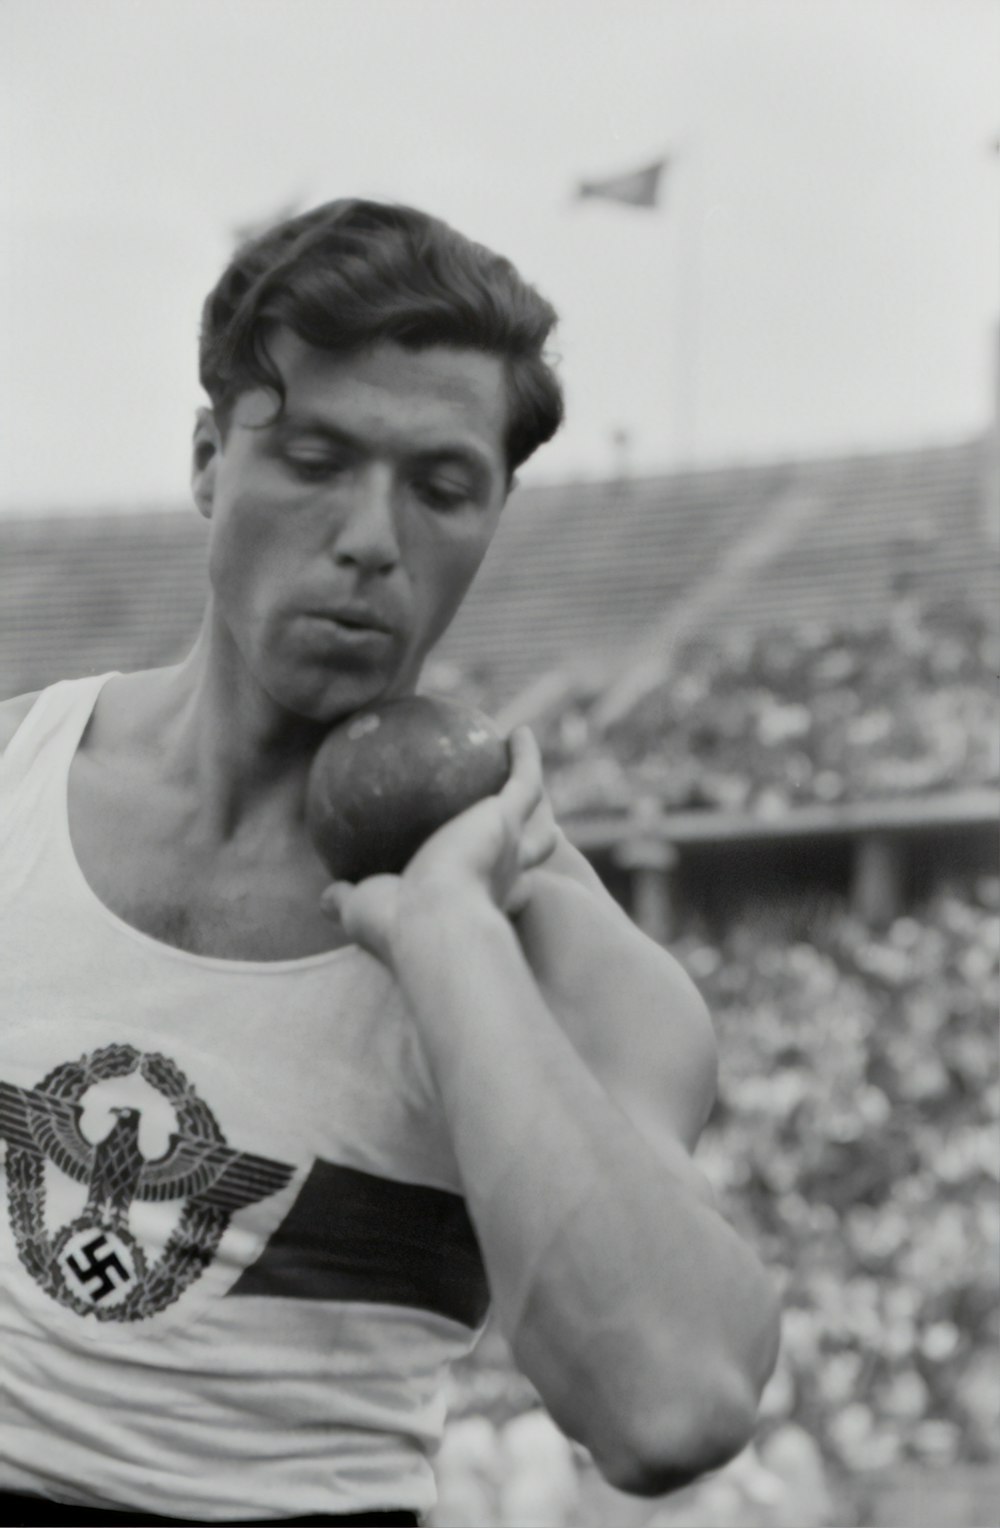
x=234, y=1260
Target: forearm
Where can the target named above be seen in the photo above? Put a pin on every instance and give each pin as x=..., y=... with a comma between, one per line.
x=627, y=1300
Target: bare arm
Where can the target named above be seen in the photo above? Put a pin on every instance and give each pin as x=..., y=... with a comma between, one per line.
x=630, y=1010
x=573, y=1073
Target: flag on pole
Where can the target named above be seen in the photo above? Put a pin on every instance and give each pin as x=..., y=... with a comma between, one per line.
x=637, y=188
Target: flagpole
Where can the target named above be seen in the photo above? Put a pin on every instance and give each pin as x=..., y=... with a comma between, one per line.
x=687, y=303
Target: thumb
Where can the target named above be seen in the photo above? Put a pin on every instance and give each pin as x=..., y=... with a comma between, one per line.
x=332, y=901
x=367, y=912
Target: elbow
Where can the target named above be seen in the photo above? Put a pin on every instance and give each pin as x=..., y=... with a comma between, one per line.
x=666, y=1448
x=708, y=1417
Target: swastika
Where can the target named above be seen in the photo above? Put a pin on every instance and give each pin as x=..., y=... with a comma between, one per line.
x=95, y=1270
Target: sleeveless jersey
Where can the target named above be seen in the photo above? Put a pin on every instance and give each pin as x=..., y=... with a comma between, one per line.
x=234, y=1259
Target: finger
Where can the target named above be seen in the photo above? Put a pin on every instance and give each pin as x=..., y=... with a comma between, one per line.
x=366, y=911
x=539, y=837
x=525, y=785
x=519, y=895
x=332, y=901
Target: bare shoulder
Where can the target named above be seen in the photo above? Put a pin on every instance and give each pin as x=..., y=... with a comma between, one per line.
x=627, y=1003
x=12, y=714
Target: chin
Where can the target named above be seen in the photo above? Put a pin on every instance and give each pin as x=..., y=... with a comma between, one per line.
x=327, y=698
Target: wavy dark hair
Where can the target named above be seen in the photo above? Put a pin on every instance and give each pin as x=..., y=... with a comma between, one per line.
x=352, y=273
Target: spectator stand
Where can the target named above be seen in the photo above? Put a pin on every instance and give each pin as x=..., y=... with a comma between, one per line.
x=862, y=759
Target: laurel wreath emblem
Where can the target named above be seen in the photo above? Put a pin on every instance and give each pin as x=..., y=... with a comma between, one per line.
x=195, y=1239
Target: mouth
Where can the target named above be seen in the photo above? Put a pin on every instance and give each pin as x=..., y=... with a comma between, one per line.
x=353, y=618
x=350, y=629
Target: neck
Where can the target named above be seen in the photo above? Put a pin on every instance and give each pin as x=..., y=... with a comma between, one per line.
x=241, y=758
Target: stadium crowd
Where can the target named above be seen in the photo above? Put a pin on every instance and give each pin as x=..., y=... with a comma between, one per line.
x=814, y=714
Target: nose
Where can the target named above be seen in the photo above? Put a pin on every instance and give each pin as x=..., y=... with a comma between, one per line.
x=367, y=537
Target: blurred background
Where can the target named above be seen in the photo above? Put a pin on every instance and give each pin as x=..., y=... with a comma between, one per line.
x=747, y=600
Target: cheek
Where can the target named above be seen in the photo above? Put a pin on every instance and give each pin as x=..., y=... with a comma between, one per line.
x=446, y=575
x=247, y=556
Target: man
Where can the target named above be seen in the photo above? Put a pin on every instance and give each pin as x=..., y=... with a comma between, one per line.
x=269, y=1142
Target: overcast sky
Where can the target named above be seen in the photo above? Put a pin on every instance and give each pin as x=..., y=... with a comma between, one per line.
x=822, y=273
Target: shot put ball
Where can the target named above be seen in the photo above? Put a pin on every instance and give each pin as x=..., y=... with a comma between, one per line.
x=388, y=776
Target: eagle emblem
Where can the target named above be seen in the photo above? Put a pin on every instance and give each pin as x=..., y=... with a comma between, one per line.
x=96, y=1264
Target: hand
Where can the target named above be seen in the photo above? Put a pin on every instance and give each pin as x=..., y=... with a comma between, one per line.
x=488, y=850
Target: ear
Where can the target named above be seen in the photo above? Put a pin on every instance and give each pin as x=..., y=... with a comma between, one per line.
x=205, y=451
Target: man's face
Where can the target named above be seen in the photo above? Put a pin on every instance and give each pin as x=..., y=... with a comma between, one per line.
x=345, y=535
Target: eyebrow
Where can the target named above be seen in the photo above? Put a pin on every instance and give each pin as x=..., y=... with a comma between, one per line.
x=466, y=454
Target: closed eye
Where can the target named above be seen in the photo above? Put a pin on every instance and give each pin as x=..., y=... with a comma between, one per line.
x=314, y=469
x=439, y=494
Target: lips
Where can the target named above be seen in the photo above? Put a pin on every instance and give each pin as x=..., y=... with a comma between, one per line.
x=355, y=618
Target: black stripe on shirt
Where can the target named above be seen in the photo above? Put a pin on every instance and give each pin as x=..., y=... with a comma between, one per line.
x=352, y=1235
